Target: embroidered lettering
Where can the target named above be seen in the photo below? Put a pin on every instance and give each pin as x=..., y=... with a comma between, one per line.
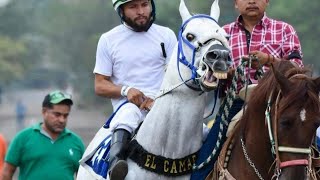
x=153, y=165
x=165, y=166
x=174, y=168
x=150, y=162
x=189, y=164
x=161, y=165
x=182, y=166
x=194, y=157
x=147, y=164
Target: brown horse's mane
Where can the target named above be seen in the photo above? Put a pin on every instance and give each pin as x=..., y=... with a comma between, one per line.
x=302, y=87
x=296, y=111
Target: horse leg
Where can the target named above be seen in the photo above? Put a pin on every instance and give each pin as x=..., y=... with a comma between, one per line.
x=119, y=143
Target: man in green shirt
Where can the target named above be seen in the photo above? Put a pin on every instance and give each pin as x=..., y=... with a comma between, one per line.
x=47, y=150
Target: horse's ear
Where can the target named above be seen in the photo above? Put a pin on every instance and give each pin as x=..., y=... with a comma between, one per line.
x=184, y=12
x=284, y=83
x=215, y=10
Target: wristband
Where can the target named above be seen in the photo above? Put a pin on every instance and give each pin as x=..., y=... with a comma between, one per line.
x=123, y=89
x=125, y=92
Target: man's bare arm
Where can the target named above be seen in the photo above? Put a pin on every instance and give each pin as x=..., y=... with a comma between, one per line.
x=8, y=171
x=104, y=87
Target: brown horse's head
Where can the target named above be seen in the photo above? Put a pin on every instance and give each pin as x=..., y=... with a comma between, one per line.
x=294, y=116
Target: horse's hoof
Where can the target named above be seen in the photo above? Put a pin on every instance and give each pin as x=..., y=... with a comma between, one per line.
x=119, y=171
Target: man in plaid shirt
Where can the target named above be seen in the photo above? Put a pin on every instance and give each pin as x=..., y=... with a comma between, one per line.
x=253, y=33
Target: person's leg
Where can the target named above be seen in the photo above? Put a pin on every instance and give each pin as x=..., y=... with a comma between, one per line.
x=117, y=161
x=123, y=125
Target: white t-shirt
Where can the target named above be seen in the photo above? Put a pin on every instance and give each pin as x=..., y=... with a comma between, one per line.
x=135, y=59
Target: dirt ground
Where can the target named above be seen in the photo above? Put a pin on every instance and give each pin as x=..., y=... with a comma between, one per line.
x=85, y=121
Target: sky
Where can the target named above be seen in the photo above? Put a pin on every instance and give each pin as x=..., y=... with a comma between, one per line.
x=3, y=2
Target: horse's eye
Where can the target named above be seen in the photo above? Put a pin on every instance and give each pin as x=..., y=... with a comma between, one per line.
x=190, y=37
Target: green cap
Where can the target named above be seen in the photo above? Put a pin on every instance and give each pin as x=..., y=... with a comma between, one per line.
x=55, y=97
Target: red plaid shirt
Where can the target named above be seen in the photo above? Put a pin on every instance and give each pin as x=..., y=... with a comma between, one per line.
x=270, y=36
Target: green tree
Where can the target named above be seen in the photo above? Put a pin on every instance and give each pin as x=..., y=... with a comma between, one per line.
x=11, y=53
x=63, y=35
x=303, y=16
x=18, y=41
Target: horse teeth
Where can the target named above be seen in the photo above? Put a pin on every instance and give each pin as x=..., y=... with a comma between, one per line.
x=220, y=75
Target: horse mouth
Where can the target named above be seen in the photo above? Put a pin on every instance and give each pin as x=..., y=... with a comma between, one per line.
x=210, y=80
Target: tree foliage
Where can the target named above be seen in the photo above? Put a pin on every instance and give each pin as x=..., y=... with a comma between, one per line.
x=62, y=35
x=303, y=16
x=10, y=55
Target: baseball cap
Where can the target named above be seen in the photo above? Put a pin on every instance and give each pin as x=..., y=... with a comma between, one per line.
x=56, y=97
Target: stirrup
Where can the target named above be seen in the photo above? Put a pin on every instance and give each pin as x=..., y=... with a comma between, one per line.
x=119, y=171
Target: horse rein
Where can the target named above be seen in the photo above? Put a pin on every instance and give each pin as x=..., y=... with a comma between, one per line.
x=275, y=148
x=273, y=136
x=168, y=90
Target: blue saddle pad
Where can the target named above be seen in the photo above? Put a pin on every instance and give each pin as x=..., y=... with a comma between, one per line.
x=98, y=162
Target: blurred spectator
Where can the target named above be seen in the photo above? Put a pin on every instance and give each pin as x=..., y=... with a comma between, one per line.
x=3, y=150
x=47, y=150
x=20, y=115
x=0, y=94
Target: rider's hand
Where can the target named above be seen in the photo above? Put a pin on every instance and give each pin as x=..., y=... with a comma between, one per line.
x=147, y=104
x=135, y=96
x=263, y=59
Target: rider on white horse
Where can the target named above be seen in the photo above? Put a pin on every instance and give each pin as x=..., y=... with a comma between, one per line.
x=130, y=65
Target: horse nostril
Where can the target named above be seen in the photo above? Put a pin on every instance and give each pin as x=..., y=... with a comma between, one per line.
x=203, y=68
x=212, y=56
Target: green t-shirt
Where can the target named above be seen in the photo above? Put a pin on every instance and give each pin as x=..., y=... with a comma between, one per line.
x=38, y=157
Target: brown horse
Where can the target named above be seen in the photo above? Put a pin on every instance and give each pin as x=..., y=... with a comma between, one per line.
x=273, y=138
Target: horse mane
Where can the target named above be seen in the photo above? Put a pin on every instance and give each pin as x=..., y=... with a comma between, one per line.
x=302, y=87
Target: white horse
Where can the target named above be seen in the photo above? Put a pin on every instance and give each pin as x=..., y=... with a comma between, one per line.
x=172, y=132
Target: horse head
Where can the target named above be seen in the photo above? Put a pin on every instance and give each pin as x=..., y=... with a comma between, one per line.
x=296, y=117
x=275, y=134
x=203, y=47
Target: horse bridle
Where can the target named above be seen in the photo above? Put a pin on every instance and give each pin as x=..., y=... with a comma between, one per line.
x=273, y=136
x=275, y=148
x=181, y=58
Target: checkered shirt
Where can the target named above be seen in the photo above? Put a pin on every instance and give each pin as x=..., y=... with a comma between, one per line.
x=270, y=36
